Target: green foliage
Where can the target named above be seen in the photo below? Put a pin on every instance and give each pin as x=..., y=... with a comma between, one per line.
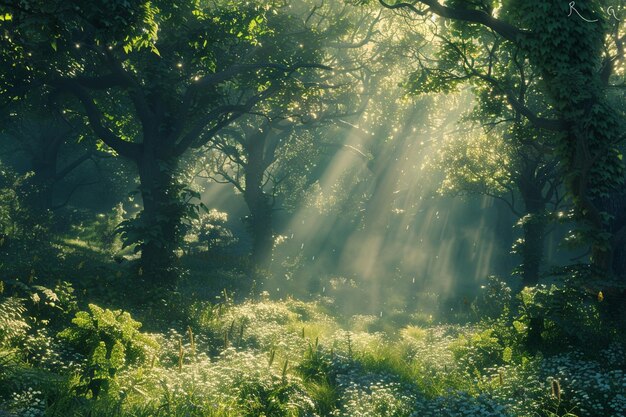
x=263, y=399
x=570, y=315
x=97, y=325
x=435, y=371
x=317, y=365
x=494, y=300
x=45, y=307
x=478, y=163
x=13, y=324
x=158, y=78
x=568, y=54
x=23, y=229
x=110, y=339
x=175, y=205
x=209, y=231
x=477, y=352
x=424, y=82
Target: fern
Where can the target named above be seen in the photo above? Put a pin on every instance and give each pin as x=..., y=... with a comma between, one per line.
x=13, y=325
x=98, y=325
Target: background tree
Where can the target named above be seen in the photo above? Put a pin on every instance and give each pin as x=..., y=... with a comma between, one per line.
x=576, y=61
x=182, y=87
x=510, y=159
x=50, y=146
x=255, y=153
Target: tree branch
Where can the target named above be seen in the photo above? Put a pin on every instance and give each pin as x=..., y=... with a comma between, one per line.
x=69, y=168
x=227, y=114
x=94, y=115
x=366, y=39
x=72, y=191
x=506, y=30
x=216, y=78
x=134, y=90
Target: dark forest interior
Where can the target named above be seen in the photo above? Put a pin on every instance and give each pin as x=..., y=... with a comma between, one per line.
x=349, y=208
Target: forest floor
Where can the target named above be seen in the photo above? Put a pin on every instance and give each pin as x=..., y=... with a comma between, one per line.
x=210, y=355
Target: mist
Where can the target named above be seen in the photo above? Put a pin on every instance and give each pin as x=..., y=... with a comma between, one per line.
x=317, y=208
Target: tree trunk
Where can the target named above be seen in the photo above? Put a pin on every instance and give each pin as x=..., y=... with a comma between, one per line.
x=44, y=167
x=159, y=220
x=533, y=226
x=616, y=208
x=260, y=206
x=616, y=296
x=593, y=171
x=42, y=189
x=532, y=250
x=262, y=231
x=532, y=255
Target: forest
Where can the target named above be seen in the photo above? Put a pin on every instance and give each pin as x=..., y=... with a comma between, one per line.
x=316, y=208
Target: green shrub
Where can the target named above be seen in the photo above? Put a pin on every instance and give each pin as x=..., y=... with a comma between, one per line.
x=494, y=298
x=568, y=316
x=13, y=325
x=477, y=352
x=43, y=306
x=208, y=231
x=111, y=340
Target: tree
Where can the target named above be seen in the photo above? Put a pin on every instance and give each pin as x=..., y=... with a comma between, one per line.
x=186, y=73
x=41, y=135
x=496, y=165
x=508, y=158
x=577, y=62
x=255, y=153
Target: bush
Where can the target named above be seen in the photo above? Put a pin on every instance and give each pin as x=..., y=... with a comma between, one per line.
x=569, y=316
x=45, y=307
x=479, y=351
x=208, y=231
x=111, y=340
x=13, y=325
x=494, y=298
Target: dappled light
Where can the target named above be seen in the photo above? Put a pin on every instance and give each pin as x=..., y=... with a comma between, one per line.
x=313, y=208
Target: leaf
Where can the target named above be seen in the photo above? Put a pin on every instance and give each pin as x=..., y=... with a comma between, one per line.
x=519, y=326
x=53, y=44
x=99, y=355
x=50, y=295
x=118, y=356
x=507, y=354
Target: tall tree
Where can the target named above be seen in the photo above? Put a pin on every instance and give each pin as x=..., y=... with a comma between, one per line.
x=191, y=71
x=254, y=153
x=508, y=159
x=577, y=62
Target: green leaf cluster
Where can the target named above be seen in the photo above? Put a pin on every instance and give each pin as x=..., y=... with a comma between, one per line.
x=111, y=334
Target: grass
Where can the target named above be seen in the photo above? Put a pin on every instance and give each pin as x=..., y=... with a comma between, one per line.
x=330, y=372
x=262, y=357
